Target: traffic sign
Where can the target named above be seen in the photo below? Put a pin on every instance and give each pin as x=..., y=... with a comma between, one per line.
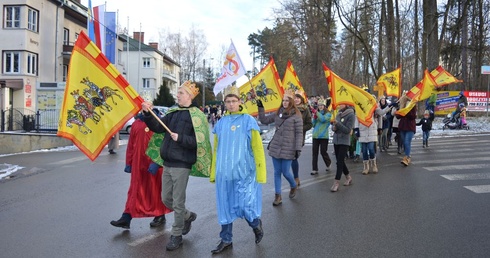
x=485, y=69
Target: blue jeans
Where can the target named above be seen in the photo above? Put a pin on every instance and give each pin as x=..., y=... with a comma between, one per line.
x=407, y=141
x=295, y=168
x=226, y=233
x=425, y=136
x=281, y=167
x=367, y=150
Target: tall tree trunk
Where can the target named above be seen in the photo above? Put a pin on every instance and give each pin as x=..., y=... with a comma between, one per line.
x=380, y=39
x=430, y=30
x=390, y=35
x=398, y=35
x=416, y=41
x=464, y=46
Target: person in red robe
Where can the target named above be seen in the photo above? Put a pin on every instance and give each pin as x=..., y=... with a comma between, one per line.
x=146, y=185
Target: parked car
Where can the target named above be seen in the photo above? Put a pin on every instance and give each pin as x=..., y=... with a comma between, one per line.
x=127, y=127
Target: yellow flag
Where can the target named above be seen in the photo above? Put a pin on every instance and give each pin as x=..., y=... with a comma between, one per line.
x=290, y=81
x=343, y=92
x=97, y=101
x=265, y=86
x=404, y=111
x=391, y=82
x=441, y=78
x=421, y=91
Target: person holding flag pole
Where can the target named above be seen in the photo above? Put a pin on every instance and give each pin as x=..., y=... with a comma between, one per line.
x=185, y=135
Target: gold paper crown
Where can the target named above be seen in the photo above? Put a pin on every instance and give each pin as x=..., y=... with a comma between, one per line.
x=190, y=88
x=289, y=93
x=232, y=90
x=300, y=92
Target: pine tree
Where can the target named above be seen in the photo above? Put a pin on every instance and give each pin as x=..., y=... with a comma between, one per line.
x=164, y=98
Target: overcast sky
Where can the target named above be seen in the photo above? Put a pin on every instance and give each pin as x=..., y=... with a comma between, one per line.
x=219, y=19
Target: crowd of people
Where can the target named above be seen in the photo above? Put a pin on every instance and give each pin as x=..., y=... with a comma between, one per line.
x=164, y=151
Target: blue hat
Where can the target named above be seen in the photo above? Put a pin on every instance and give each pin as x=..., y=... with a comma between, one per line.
x=461, y=93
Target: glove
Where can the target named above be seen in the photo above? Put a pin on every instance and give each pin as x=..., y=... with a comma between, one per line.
x=297, y=154
x=357, y=133
x=380, y=131
x=127, y=169
x=393, y=104
x=153, y=168
x=259, y=103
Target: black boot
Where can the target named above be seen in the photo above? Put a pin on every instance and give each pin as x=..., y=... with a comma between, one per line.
x=158, y=221
x=221, y=247
x=123, y=222
x=259, y=232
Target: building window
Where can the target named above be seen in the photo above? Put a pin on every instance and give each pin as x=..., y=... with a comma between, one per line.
x=12, y=17
x=11, y=62
x=119, y=57
x=66, y=36
x=65, y=72
x=32, y=19
x=146, y=83
x=76, y=36
x=32, y=63
x=146, y=62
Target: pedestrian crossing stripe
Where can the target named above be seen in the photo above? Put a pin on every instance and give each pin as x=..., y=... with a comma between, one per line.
x=478, y=188
x=473, y=176
x=454, y=167
x=452, y=160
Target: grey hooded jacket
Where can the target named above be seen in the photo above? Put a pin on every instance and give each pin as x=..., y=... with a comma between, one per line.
x=288, y=137
x=343, y=129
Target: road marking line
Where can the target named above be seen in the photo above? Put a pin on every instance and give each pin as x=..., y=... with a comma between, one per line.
x=473, y=176
x=311, y=181
x=431, y=161
x=478, y=188
x=456, y=167
x=68, y=161
x=148, y=238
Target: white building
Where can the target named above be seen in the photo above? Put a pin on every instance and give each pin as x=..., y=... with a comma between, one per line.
x=148, y=67
x=36, y=46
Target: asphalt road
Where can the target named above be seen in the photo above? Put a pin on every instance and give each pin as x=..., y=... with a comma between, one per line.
x=60, y=205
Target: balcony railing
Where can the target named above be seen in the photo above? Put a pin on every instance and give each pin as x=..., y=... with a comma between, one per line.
x=169, y=75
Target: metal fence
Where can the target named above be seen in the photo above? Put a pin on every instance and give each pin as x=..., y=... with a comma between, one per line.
x=27, y=120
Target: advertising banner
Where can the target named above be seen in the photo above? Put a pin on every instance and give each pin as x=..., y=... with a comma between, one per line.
x=448, y=100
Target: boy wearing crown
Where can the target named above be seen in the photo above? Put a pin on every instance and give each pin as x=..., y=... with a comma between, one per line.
x=239, y=176
x=186, y=135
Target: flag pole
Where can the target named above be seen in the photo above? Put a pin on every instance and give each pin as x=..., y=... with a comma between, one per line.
x=160, y=121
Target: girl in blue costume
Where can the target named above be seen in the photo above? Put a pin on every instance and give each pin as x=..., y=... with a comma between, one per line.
x=237, y=168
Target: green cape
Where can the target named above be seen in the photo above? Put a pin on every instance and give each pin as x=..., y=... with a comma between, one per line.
x=202, y=167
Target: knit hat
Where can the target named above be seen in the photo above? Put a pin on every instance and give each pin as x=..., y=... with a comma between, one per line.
x=322, y=102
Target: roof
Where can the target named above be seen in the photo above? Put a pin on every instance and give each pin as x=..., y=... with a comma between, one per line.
x=134, y=45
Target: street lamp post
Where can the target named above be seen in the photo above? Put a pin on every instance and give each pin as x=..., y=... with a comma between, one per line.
x=203, y=83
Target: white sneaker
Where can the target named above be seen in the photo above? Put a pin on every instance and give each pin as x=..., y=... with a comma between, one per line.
x=328, y=169
x=314, y=172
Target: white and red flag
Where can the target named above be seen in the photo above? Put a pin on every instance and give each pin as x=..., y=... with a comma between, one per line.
x=232, y=70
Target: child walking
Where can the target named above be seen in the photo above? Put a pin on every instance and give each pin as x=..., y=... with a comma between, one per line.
x=426, y=123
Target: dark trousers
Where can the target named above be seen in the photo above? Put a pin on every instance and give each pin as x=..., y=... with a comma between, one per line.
x=340, y=154
x=322, y=146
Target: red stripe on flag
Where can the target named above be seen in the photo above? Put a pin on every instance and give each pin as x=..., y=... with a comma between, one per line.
x=97, y=27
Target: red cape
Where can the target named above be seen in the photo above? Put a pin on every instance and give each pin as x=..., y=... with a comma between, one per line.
x=144, y=194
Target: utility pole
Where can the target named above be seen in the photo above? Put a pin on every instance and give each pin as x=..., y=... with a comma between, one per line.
x=203, y=82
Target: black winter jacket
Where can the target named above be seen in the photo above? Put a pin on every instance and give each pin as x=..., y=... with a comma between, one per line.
x=426, y=124
x=183, y=152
